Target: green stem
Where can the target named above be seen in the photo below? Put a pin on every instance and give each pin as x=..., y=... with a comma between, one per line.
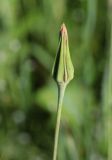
x=109, y=102
x=61, y=91
x=108, y=83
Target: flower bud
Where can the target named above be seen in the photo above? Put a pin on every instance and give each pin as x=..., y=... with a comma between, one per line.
x=63, y=70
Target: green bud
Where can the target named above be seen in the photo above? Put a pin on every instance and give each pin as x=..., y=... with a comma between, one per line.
x=63, y=70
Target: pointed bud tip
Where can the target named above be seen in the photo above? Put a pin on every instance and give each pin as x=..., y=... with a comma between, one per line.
x=63, y=29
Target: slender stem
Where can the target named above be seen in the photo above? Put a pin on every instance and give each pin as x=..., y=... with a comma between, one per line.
x=109, y=102
x=61, y=90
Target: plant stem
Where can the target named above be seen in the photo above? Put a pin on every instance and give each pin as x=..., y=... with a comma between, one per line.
x=107, y=90
x=109, y=102
x=61, y=91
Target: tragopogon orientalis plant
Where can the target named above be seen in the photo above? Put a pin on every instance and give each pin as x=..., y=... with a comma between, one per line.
x=63, y=73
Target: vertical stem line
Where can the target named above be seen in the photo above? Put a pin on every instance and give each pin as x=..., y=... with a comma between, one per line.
x=109, y=102
x=110, y=97
x=107, y=89
x=61, y=91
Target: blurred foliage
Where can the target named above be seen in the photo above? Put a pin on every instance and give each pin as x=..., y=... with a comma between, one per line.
x=28, y=43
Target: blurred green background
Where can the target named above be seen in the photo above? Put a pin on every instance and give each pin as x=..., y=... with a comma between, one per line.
x=28, y=94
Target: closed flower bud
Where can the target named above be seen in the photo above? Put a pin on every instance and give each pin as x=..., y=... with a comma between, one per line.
x=63, y=70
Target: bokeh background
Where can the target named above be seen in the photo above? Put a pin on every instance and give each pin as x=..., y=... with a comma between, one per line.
x=28, y=95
